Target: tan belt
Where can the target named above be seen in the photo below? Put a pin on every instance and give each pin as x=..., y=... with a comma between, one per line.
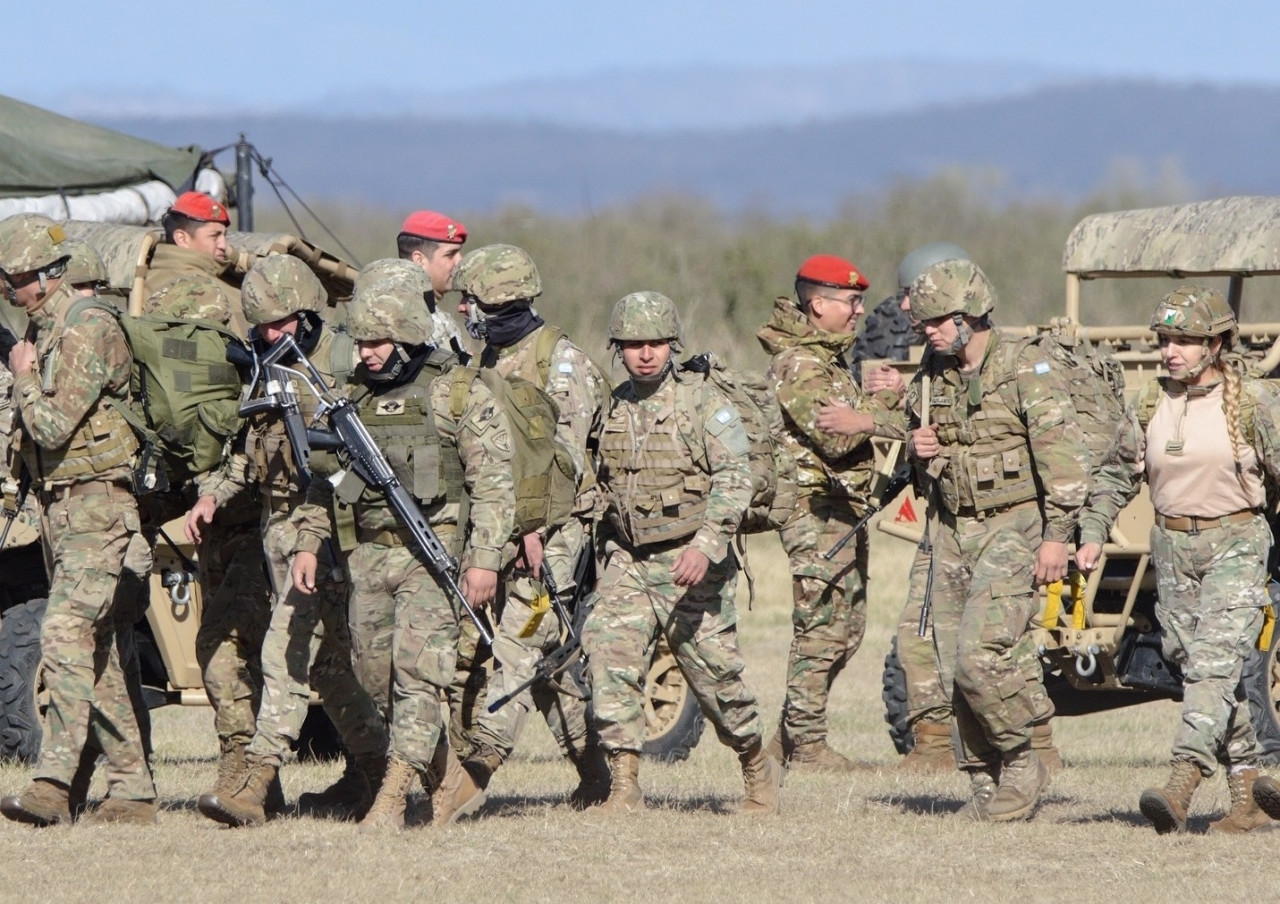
x=91, y=488
x=1193, y=524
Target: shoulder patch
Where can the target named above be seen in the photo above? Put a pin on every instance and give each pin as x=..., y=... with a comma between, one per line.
x=565, y=367
x=1041, y=367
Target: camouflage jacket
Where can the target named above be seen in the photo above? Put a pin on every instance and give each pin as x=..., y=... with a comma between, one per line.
x=808, y=369
x=193, y=285
x=1006, y=435
x=81, y=367
x=1118, y=480
x=692, y=422
x=482, y=440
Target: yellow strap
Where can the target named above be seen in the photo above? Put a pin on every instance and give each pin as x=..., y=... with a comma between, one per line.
x=1268, y=627
x=540, y=606
x=1077, y=594
x=1052, y=605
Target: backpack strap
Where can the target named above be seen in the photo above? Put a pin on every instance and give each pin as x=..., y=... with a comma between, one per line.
x=548, y=338
x=1148, y=400
x=459, y=387
x=341, y=356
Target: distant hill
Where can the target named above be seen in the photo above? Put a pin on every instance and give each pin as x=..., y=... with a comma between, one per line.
x=1057, y=141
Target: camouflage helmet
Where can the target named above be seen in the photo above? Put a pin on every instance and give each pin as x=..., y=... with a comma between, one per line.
x=279, y=285
x=1193, y=311
x=951, y=287
x=497, y=275
x=924, y=257
x=389, y=302
x=645, y=315
x=85, y=265
x=30, y=242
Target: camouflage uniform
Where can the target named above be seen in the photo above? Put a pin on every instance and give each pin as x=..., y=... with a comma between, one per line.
x=180, y=280
x=834, y=476
x=78, y=450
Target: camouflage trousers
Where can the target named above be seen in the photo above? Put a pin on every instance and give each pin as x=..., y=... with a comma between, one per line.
x=468, y=688
x=87, y=537
x=984, y=597
x=237, y=611
x=829, y=611
x=404, y=636
x=516, y=655
x=1212, y=587
x=928, y=699
x=636, y=602
x=307, y=645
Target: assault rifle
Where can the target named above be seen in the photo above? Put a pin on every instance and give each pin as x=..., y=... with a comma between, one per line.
x=897, y=482
x=566, y=657
x=348, y=432
x=11, y=514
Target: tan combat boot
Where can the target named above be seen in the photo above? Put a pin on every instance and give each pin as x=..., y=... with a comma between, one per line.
x=115, y=811
x=1042, y=744
x=1266, y=794
x=778, y=746
x=42, y=803
x=983, y=783
x=246, y=805
x=352, y=794
x=762, y=777
x=625, y=795
x=231, y=767
x=388, y=807
x=1245, y=815
x=462, y=791
x=818, y=756
x=1022, y=778
x=1166, y=808
x=593, y=778
x=932, y=751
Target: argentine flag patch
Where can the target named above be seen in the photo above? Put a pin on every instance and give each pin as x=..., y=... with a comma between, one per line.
x=1041, y=368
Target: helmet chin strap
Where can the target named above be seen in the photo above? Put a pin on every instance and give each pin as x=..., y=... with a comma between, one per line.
x=393, y=367
x=964, y=333
x=1206, y=359
x=658, y=377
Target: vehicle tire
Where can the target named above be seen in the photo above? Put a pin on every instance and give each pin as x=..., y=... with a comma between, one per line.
x=318, y=740
x=673, y=719
x=1261, y=680
x=885, y=334
x=893, y=691
x=19, y=667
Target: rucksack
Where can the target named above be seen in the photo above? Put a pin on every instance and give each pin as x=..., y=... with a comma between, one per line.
x=773, y=469
x=545, y=476
x=184, y=394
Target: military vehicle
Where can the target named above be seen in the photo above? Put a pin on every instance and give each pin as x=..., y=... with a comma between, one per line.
x=166, y=635
x=1099, y=638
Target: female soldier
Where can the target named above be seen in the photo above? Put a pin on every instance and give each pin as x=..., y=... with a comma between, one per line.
x=1205, y=437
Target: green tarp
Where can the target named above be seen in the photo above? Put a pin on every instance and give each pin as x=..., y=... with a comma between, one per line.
x=42, y=153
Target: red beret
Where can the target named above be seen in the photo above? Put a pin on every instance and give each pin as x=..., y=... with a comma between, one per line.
x=829, y=270
x=196, y=205
x=434, y=227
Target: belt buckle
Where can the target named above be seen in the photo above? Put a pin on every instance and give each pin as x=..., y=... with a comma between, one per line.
x=1195, y=526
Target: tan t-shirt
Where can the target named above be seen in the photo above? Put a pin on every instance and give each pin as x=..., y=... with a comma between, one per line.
x=1200, y=480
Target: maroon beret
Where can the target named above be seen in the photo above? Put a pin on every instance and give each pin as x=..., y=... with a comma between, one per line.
x=829, y=270
x=196, y=205
x=434, y=227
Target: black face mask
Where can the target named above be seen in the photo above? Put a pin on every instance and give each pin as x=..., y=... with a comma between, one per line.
x=402, y=365
x=510, y=323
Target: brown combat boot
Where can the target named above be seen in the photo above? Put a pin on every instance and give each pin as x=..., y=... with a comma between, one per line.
x=818, y=756
x=115, y=811
x=42, y=803
x=246, y=805
x=462, y=792
x=983, y=782
x=231, y=767
x=1245, y=815
x=1042, y=744
x=1266, y=794
x=593, y=778
x=778, y=747
x=762, y=778
x=1166, y=808
x=351, y=795
x=1022, y=778
x=388, y=807
x=625, y=795
x=932, y=751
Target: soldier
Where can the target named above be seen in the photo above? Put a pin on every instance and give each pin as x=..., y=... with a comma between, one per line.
x=434, y=242
x=676, y=483
x=503, y=281
x=1207, y=439
x=189, y=280
x=808, y=339
x=307, y=643
x=1007, y=477
x=69, y=379
x=404, y=624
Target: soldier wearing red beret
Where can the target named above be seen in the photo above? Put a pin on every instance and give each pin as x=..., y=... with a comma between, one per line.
x=434, y=242
x=809, y=337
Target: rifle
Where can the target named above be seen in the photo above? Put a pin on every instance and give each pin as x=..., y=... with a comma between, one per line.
x=11, y=515
x=926, y=607
x=897, y=483
x=347, y=431
x=567, y=655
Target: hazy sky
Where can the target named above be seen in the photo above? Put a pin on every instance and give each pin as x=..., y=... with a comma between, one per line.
x=298, y=51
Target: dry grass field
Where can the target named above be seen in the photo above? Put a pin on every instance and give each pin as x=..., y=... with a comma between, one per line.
x=874, y=835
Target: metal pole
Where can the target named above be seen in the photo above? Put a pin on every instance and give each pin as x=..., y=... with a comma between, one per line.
x=244, y=185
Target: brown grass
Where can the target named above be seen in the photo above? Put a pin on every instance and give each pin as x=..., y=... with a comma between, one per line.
x=875, y=835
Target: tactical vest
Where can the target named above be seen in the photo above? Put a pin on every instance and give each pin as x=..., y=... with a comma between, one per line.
x=656, y=491
x=103, y=442
x=402, y=424
x=988, y=463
